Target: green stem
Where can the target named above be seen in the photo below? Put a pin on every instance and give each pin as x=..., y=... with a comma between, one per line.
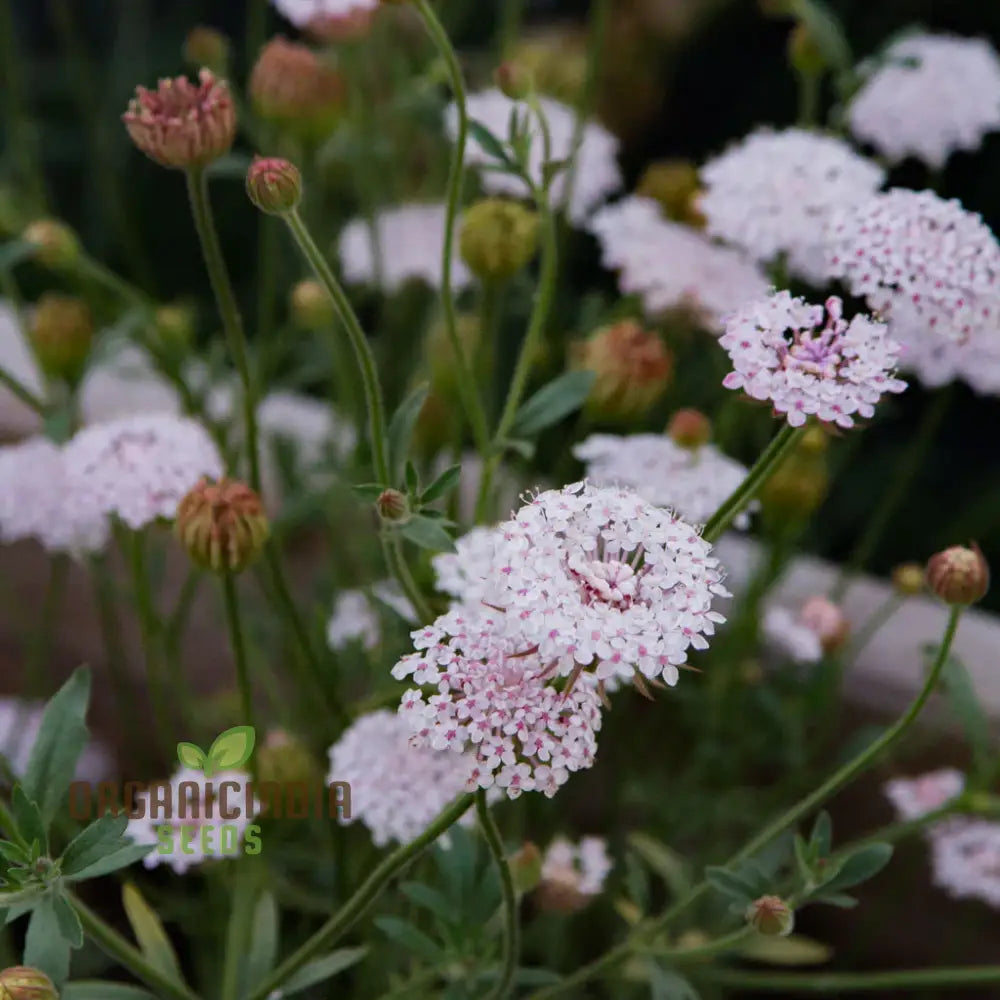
x=511, y=16
x=837, y=983
x=809, y=94
x=640, y=935
x=115, y=946
x=401, y=571
x=23, y=393
x=471, y=400
x=362, y=349
x=903, y=476
x=362, y=900
x=236, y=640
x=267, y=275
x=511, y=927
x=201, y=210
x=710, y=948
x=244, y=901
x=765, y=466
x=489, y=326
x=529, y=348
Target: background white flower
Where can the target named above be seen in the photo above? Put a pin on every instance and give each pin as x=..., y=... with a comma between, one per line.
x=301, y=12
x=965, y=859
x=916, y=797
x=583, y=868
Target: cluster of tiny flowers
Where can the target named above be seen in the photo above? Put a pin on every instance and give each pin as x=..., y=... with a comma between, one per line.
x=928, y=96
x=468, y=574
x=302, y=13
x=809, y=361
x=671, y=266
x=139, y=468
x=38, y=501
x=965, y=859
x=598, y=576
x=913, y=798
x=596, y=177
x=787, y=634
x=356, y=618
x=582, y=868
x=194, y=804
x=408, y=246
x=20, y=724
x=773, y=192
x=923, y=263
x=496, y=705
x=936, y=361
x=692, y=482
x=396, y=788
x=123, y=384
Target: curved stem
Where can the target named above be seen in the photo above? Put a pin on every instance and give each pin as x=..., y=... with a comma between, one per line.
x=843, y=982
x=201, y=210
x=231, y=601
x=641, y=935
x=23, y=393
x=362, y=900
x=765, y=466
x=511, y=928
x=466, y=378
x=115, y=946
x=362, y=349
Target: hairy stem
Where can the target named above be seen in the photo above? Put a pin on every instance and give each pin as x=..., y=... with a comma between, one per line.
x=511, y=927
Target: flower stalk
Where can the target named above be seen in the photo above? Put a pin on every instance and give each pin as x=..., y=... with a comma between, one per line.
x=511, y=926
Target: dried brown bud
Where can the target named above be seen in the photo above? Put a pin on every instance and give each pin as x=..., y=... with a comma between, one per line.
x=56, y=245
x=274, y=185
x=20, y=982
x=690, y=428
x=959, y=575
x=61, y=333
x=498, y=237
x=908, y=579
x=770, y=915
x=182, y=124
x=222, y=525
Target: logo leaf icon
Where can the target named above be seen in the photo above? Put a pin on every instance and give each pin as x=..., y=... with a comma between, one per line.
x=232, y=748
x=191, y=755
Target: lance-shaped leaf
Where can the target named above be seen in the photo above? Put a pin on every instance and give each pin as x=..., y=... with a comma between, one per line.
x=150, y=934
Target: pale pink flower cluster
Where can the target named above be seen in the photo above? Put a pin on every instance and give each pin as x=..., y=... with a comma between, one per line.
x=691, y=482
x=580, y=868
x=37, y=500
x=913, y=798
x=597, y=175
x=468, y=574
x=923, y=263
x=928, y=96
x=397, y=788
x=200, y=800
x=936, y=361
x=772, y=193
x=495, y=705
x=304, y=12
x=671, y=266
x=139, y=468
x=410, y=246
x=809, y=361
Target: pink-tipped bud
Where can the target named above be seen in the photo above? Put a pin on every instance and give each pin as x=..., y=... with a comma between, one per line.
x=393, y=506
x=20, y=982
x=274, y=185
x=182, y=124
x=689, y=428
x=222, y=525
x=514, y=80
x=771, y=916
x=959, y=575
x=827, y=621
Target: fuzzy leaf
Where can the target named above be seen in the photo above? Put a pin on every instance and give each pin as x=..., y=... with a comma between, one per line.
x=860, y=866
x=28, y=818
x=45, y=947
x=443, y=485
x=821, y=838
x=69, y=923
x=322, y=969
x=95, y=842
x=401, y=428
x=554, y=401
x=427, y=534
x=122, y=857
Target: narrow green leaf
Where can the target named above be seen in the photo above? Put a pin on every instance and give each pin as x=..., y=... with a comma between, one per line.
x=412, y=480
x=490, y=144
x=69, y=923
x=95, y=842
x=666, y=862
x=263, y=939
x=322, y=969
x=839, y=899
x=13, y=852
x=430, y=899
x=554, y=401
x=803, y=860
x=122, y=857
x=61, y=739
x=427, y=534
x=409, y=937
x=45, y=948
x=792, y=950
x=443, y=485
x=28, y=818
x=860, y=866
x=150, y=934
x=401, y=428
x=526, y=449
x=730, y=885
x=968, y=711
x=98, y=990
x=821, y=838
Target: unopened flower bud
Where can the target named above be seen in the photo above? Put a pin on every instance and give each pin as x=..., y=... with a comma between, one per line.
x=292, y=86
x=689, y=428
x=56, y=245
x=207, y=47
x=513, y=80
x=556, y=61
x=804, y=54
x=393, y=506
x=335, y=28
x=633, y=369
x=20, y=982
x=498, y=238
x=222, y=525
x=310, y=306
x=675, y=185
x=274, y=185
x=797, y=487
x=908, y=579
x=285, y=759
x=526, y=868
x=175, y=325
x=827, y=621
x=61, y=333
x=182, y=124
x=959, y=575
x=770, y=915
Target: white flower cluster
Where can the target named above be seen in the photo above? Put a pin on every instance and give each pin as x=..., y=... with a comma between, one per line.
x=302, y=12
x=410, y=246
x=496, y=707
x=773, y=192
x=913, y=798
x=925, y=264
x=356, y=618
x=581, y=868
x=692, y=482
x=199, y=831
x=809, y=361
x=785, y=632
x=671, y=266
x=396, y=787
x=928, y=96
x=597, y=175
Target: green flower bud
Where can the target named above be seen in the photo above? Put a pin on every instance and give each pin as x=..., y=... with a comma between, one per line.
x=274, y=185
x=771, y=916
x=310, y=306
x=498, y=238
x=222, y=525
x=207, y=47
x=56, y=245
x=61, y=333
